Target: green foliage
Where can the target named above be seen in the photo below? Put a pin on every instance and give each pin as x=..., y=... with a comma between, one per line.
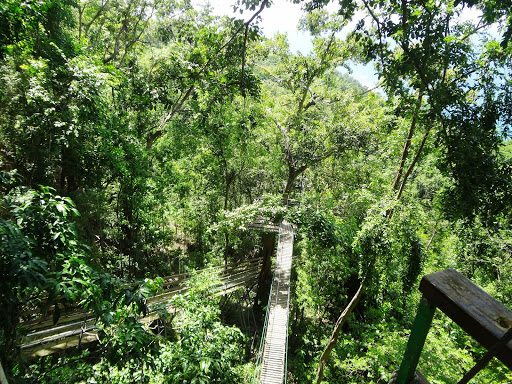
x=42, y=261
x=35, y=26
x=205, y=350
x=390, y=253
x=172, y=130
x=324, y=276
x=268, y=207
x=122, y=336
x=370, y=357
x=45, y=266
x=449, y=343
x=375, y=353
x=72, y=369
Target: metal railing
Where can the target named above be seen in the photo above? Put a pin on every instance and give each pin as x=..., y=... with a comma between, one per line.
x=82, y=322
x=280, y=277
x=257, y=368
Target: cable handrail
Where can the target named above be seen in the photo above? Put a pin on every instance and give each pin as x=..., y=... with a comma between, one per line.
x=263, y=337
x=286, y=347
x=265, y=324
x=272, y=364
x=285, y=376
x=227, y=283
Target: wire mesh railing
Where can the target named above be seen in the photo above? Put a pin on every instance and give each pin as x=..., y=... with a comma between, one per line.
x=286, y=348
x=47, y=337
x=272, y=362
x=257, y=368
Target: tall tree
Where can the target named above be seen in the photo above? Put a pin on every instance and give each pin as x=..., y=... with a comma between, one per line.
x=441, y=80
x=310, y=112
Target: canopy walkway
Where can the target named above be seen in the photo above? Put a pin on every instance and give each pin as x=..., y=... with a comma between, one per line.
x=274, y=342
x=78, y=327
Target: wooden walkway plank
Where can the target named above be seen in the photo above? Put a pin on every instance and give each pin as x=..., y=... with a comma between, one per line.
x=274, y=350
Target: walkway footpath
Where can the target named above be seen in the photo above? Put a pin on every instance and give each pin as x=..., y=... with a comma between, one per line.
x=275, y=348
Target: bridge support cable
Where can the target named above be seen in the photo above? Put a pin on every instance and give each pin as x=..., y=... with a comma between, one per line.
x=275, y=336
x=78, y=328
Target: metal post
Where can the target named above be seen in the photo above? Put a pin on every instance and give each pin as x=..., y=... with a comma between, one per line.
x=416, y=341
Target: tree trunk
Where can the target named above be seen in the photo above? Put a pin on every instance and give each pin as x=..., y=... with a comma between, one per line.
x=226, y=249
x=128, y=230
x=269, y=240
x=400, y=178
x=229, y=180
x=67, y=178
x=407, y=144
x=337, y=328
x=293, y=173
x=290, y=182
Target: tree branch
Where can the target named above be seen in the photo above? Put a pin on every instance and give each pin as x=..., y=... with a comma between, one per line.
x=407, y=145
x=336, y=332
x=100, y=11
x=376, y=20
x=242, y=80
x=287, y=148
x=414, y=161
x=155, y=135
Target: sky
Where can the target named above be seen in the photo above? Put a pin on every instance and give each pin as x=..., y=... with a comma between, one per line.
x=283, y=17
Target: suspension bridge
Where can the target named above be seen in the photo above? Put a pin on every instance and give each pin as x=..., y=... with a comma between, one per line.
x=480, y=315
x=78, y=327
x=274, y=341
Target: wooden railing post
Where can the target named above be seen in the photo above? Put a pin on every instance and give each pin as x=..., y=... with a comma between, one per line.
x=417, y=338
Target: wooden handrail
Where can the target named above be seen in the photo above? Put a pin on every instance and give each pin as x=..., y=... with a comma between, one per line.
x=474, y=310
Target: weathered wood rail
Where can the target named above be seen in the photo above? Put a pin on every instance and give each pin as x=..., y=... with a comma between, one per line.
x=474, y=310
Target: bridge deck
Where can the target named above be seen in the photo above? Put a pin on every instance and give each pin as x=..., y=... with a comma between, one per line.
x=274, y=352
x=79, y=327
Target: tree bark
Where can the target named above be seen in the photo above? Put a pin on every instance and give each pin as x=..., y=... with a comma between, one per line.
x=337, y=328
x=269, y=240
x=229, y=180
x=67, y=177
x=128, y=230
x=414, y=161
x=293, y=173
x=407, y=145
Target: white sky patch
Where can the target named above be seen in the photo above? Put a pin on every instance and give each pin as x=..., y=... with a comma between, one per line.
x=365, y=74
x=470, y=14
x=283, y=17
